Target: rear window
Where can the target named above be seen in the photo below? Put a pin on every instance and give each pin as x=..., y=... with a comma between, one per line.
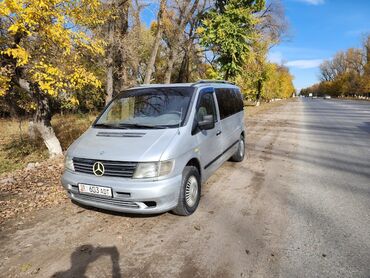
x=229, y=101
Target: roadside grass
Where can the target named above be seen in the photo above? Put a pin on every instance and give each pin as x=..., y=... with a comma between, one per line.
x=69, y=127
x=251, y=110
x=17, y=149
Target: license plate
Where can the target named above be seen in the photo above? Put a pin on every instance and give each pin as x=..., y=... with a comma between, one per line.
x=94, y=189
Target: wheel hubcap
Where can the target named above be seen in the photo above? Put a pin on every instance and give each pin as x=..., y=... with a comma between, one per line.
x=191, y=191
x=241, y=147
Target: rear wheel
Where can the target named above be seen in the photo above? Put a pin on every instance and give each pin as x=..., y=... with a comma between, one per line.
x=240, y=152
x=189, y=192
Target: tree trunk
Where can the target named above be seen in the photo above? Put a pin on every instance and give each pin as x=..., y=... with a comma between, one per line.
x=157, y=41
x=183, y=20
x=184, y=69
x=42, y=117
x=50, y=140
x=109, y=95
x=42, y=123
x=117, y=30
x=32, y=130
x=153, y=55
x=120, y=58
x=227, y=74
x=259, y=92
x=171, y=61
x=184, y=72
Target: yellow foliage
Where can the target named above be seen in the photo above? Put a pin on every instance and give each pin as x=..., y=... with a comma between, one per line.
x=33, y=106
x=55, y=36
x=74, y=101
x=4, y=80
x=211, y=73
x=277, y=82
x=4, y=84
x=200, y=30
x=10, y=6
x=53, y=80
x=18, y=53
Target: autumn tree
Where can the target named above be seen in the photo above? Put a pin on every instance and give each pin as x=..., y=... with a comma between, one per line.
x=44, y=43
x=229, y=31
x=256, y=70
x=192, y=65
x=327, y=71
x=365, y=87
x=116, y=31
x=157, y=41
x=177, y=19
x=347, y=74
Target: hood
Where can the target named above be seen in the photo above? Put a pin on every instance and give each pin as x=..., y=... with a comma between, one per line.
x=122, y=145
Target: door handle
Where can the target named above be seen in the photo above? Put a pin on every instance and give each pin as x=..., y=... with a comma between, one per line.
x=218, y=132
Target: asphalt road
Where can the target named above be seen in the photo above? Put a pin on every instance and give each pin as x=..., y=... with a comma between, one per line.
x=328, y=203
x=298, y=206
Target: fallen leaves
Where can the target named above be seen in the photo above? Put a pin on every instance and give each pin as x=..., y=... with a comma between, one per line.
x=197, y=227
x=35, y=187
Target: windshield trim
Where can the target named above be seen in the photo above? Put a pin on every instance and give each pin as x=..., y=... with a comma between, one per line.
x=131, y=91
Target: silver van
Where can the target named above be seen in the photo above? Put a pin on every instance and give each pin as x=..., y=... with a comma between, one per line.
x=153, y=146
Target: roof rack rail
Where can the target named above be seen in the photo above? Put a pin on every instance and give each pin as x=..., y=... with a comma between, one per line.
x=214, y=81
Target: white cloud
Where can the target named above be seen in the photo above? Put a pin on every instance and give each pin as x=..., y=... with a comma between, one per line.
x=313, y=2
x=275, y=57
x=304, y=64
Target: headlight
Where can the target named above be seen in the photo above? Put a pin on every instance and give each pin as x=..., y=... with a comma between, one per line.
x=68, y=163
x=153, y=169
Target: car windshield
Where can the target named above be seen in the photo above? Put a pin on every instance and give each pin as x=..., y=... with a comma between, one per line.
x=147, y=108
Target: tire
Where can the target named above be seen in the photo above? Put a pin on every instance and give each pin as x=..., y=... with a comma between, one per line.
x=188, y=202
x=240, y=152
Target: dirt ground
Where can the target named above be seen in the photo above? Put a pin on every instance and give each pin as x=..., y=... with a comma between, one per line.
x=234, y=232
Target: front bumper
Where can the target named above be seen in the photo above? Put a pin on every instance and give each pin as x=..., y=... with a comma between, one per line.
x=129, y=195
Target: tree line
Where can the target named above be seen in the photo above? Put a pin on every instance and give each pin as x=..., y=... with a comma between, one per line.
x=347, y=74
x=73, y=55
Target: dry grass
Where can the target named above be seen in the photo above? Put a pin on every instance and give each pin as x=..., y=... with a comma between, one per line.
x=254, y=110
x=69, y=127
x=17, y=149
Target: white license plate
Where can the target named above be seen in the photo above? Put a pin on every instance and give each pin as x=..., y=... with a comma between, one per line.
x=94, y=189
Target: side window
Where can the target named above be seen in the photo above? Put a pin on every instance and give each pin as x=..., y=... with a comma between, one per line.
x=225, y=103
x=238, y=101
x=206, y=106
x=229, y=102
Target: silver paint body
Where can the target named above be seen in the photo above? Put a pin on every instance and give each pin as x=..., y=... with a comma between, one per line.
x=156, y=145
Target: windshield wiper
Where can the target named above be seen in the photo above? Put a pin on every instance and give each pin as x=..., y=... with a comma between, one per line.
x=143, y=126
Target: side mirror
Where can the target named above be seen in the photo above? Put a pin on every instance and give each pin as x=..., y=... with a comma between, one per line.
x=207, y=123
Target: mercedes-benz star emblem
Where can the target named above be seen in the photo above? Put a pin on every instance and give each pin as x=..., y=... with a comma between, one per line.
x=98, y=169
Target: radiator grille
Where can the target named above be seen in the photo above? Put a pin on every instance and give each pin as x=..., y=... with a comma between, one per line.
x=111, y=168
x=110, y=201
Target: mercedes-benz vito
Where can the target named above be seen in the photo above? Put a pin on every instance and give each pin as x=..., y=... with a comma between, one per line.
x=152, y=147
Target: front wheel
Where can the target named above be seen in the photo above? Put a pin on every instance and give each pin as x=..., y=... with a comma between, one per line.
x=240, y=152
x=189, y=192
